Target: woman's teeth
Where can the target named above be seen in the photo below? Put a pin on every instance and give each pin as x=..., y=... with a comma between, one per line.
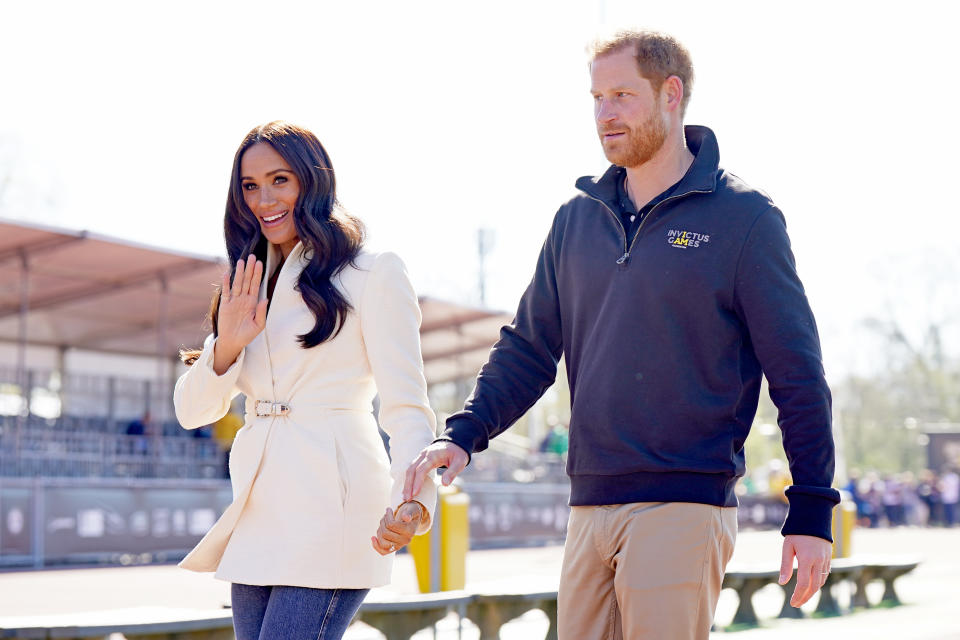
x=276, y=217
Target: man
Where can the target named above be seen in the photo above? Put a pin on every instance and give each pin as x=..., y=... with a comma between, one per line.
x=669, y=287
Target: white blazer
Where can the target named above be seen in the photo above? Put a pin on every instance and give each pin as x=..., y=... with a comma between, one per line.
x=310, y=487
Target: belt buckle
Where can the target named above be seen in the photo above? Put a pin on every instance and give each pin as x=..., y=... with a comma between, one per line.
x=266, y=408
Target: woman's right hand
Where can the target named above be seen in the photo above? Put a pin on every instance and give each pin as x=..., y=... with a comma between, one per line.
x=241, y=317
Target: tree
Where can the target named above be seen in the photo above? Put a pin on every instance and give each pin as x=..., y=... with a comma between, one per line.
x=879, y=414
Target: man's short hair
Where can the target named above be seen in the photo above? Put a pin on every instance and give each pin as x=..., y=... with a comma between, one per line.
x=658, y=56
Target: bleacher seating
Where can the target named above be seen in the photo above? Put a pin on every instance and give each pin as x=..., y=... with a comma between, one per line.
x=90, y=438
x=92, y=447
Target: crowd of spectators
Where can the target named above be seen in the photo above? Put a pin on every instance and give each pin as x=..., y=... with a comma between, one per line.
x=928, y=499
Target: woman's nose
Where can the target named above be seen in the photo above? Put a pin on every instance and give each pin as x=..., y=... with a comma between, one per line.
x=266, y=196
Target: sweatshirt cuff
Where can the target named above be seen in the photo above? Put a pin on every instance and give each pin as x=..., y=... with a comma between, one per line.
x=810, y=512
x=446, y=438
x=466, y=433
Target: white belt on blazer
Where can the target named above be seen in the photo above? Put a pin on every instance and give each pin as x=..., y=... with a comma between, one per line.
x=267, y=408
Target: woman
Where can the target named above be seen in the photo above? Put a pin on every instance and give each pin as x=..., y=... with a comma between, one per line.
x=310, y=328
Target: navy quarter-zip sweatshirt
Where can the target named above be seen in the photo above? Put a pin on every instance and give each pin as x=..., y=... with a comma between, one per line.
x=666, y=336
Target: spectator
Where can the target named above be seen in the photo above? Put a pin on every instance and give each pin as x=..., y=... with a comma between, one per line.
x=204, y=432
x=139, y=428
x=949, y=495
x=557, y=441
x=853, y=487
x=929, y=493
x=225, y=429
x=911, y=502
x=872, y=491
x=779, y=479
x=892, y=497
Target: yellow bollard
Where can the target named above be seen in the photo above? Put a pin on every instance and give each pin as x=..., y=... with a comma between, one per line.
x=455, y=541
x=844, y=520
x=440, y=556
x=420, y=550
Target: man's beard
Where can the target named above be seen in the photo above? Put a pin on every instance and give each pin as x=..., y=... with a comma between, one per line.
x=643, y=141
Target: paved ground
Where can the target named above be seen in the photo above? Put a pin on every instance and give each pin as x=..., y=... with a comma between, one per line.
x=931, y=594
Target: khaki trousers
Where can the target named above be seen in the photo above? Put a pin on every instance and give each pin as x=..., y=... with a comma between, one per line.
x=644, y=571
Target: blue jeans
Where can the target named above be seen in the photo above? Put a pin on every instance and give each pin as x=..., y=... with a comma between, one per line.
x=292, y=613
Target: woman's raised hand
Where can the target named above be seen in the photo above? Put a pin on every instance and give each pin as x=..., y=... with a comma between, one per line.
x=241, y=316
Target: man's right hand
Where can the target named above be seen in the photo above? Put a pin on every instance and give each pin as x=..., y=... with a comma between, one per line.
x=439, y=454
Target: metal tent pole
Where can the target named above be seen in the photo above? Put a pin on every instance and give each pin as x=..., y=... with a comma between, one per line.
x=22, y=353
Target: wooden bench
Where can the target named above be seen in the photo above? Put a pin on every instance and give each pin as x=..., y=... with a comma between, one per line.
x=141, y=623
x=490, y=611
x=398, y=617
x=887, y=569
x=859, y=570
x=841, y=569
x=746, y=582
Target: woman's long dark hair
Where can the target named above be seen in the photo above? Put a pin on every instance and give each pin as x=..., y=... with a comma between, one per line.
x=331, y=237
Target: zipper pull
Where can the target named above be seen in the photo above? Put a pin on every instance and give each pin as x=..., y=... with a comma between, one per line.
x=624, y=258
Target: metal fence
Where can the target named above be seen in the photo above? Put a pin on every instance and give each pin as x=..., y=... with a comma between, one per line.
x=51, y=393
x=48, y=521
x=81, y=447
x=61, y=521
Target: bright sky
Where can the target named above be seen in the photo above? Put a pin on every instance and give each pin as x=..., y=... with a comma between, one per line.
x=443, y=117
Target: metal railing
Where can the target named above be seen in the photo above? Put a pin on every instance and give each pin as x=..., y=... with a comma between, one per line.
x=79, y=447
x=88, y=395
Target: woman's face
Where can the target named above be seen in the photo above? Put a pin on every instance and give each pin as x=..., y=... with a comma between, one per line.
x=270, y=189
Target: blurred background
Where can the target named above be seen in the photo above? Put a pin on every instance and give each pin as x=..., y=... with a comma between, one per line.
x=456, y=130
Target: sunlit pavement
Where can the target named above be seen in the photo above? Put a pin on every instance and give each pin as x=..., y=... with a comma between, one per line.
x=931, y=594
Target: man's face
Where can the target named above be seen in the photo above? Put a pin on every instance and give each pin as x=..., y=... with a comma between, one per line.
x=627, y=110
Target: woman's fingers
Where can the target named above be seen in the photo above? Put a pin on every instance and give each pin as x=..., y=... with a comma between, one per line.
x=256, y=279
x=389, y=537
x=237, y=288
x=246, y=280
x=387, y=541
x=225, y=286
x=248, y=271
x=388, y=529
x=382, y=549
x=260, y=316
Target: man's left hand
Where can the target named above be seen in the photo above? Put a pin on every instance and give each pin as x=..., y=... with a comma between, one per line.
x=813, y=565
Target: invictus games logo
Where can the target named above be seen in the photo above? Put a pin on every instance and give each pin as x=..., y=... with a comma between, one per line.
x=686, y=239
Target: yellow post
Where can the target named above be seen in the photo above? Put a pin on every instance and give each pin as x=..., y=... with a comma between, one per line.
x=446, y=543
x=844, y=520
x=454, y=540
x=420, y=550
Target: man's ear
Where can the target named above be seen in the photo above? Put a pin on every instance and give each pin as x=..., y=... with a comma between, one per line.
x=671, y=93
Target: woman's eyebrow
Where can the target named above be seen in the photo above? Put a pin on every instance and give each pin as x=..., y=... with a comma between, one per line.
x=269, y=173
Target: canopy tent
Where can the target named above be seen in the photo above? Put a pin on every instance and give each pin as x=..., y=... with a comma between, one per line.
x=71, y=289
x=456, y=339
x=79, y=290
